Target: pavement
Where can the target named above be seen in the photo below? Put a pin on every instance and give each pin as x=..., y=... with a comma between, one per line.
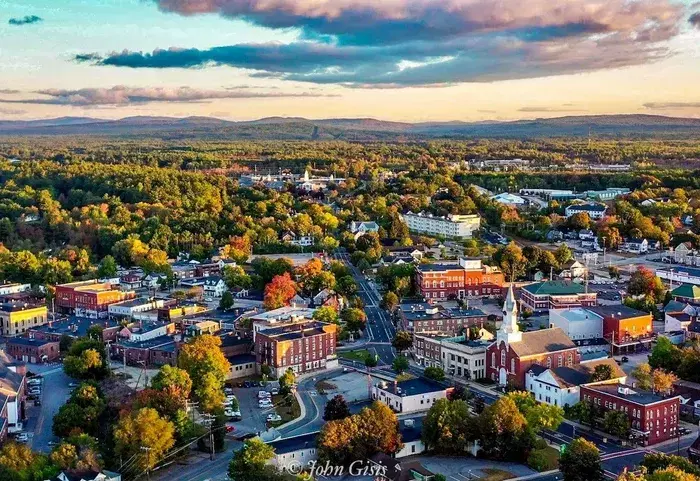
x=54, y=393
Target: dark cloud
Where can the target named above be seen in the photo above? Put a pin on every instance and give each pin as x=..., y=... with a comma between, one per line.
x=564, y=108
x=399, y=43
x=695, y=20
x=121, y=95
x=26, y=20
x=671, y=105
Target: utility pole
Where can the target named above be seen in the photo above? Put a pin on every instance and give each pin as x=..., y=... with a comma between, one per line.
x=148, y=461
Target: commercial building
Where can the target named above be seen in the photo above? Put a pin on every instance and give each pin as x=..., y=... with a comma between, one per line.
x=560, y=386
x=18, y=317
x=467, y=278
x=594, y=210
x=450, y=227
x=146, y=331
x=509, y=199
x=9, y=288
x=89, y=298
x=75, y=328
x=457, y=356
x=677, y=275
x=303, y=346
x=581, y=325
x=515, y=352
x=33, y=350
x=278, y=317
x=627, y=329
x=653, y=418
x=687, y=293
x=128, y=309
x=12, y=393
x=152, y=352
x=409, y=396
x=543, y=296
x=433, y=318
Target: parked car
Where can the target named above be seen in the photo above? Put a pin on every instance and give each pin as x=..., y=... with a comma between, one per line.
x=73, y=384
x=228, y=390
x=21, y=437
x=625, y=359
x=273, y=418
x=263, y=404
x=263, y=394
x=37, y=402
x=231, y=413
x=275, y=391
x=230, y=429
x=247, y=384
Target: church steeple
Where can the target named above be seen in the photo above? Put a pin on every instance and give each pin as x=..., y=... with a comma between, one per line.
x=509, y=331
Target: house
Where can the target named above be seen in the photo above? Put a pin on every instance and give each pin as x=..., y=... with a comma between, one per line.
x=131, y=281
x=359, y=228
x=595, y=211
x=543, y=296
x=683, y=253
x=514, y=352
x=413, y=395
x=299, y=301
x=212, y=286
x=328, y=298
x=12, y=391
x=292, y=238
x=386, y=468
x=635, y=246
x=202, y=327
x=468, y=278
x=572, y=269
x=560, y=386
x=653, y=418
x=417, y=252
x=89, y=475
x=554, y=235
x=295, y=450
x=153, y=280
x=586, y=234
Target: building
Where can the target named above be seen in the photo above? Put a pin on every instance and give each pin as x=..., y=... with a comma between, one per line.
x=212, y=286
x=152, y=352
x=74, y=328
x=202, y=327
x=303, y=346
x=9, y=288
x=358, y=228
x=467, y=278
x=457, y=356
x=548, y=194
x=292, y=238
x=627, y=329
x=594, y=210
x=128, y=309
x=514, y=352
x=450, y=227
x=572, y=269
x=33, y=350
x=677, y=275
x=433, y=318
x=560, y=386
x=653, y=418
x=581, y=325
x=18, y=317
x=543, y=296
x=410, y=396
x=635, y=246
x=509, y=199
x=12, y=390
x=687, y=293
x=242, y=365
x=89, y=298
x=146, y=331
x=295, y=450
x=278, y=317
x=89, y=475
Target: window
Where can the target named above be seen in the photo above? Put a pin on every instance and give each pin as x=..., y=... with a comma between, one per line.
x=549, y=362
x=493, y=359
x=503, y=358
x=512, y=366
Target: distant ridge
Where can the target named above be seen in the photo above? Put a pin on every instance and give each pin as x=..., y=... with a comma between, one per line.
x=358, y=129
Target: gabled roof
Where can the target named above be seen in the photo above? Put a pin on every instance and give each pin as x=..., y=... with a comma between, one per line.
x=561, y=288
x=581, y=374
x=686, y=290
x=542, y=341
x=10, y=381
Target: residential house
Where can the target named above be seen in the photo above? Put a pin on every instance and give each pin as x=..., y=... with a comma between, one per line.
x=635, y=246
x=595, y=211
x=360, y=228
x=572, y=269
x=292, y=238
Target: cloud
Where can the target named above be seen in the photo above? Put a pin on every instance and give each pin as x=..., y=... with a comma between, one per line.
x=671, y=105
x=400, y=43
x=9, y=91
x=695, y=20
x=122, y=95
x=4, y=111
x=26, y=20
x=564, y=108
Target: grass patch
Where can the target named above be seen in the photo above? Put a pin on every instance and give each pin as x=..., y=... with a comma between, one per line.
x=287, y=407
x=323, y=386
x=358, y=355
x=492, y=474
x=404, y=376
x=544, y=459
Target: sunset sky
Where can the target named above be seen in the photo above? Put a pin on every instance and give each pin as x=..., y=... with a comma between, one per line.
x=408, y=60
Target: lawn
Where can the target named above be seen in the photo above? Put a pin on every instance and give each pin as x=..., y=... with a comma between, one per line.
x=358, y=355
x=495, y=475
x=287, y=412
x=544, y=459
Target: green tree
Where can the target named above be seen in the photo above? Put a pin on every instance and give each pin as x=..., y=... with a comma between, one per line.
x=400, y=364
x=107, y=267
x=538, y=415
x=337, y=408
x=643, y=374
x=581, y=462
x=355, y=319
x=503, y=431
x=511, y=260
x=141, y=430
x=602, y=372
x=616, y=423
x=326, y=314
x=250, y=463
x=665, y=355
x=390, y=301
x=86, y=359
x=287, y=381
x=434, y=372
x=403, y=341
x=226, y=301
x=448, y=427
x=371, y=361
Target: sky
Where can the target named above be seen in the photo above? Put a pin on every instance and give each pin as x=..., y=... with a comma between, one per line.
x=403, y=60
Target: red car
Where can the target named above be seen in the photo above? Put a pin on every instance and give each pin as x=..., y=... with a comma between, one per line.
x=230, y=429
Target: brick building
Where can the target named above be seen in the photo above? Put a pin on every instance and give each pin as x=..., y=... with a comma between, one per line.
x=89, y=298
x=304, y=346
x=543, y=296
x=467, y=278
x=33, y=350
x=432, y=318
x=654, y=419
x=514, y=352
x=625, y=328
x=153, y=352
x=75, y=328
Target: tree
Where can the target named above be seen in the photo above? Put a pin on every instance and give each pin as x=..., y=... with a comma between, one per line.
x=174, y=381
x=503, y=431
x=579, y=220
x=403, y=341
x=511, y=260
x=664, y=355
x=251, y=462
x=236, y=277
x=643, y=374
x=279, y=291
x=654, y=462
x=616, y=423
x=614, y=272
x=371, y=361
x=400, y=364
x=19, y=463
x=140, y=429
x=326, y=314
x=355, y=319
x=207, y=367
x=287, y=381
x=663, y=381
x=538, y=415
x=226, y=301
x=581, y=462
x=448, y=427
x=602, y=372
x=86, y=359
x=643, y=282
x=563, y=254
x=435, y=373
x=337, y=408
x=107, y=267
x=390, y=301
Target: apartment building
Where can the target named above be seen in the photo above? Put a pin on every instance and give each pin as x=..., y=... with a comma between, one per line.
x=467, y=278
x=436, y=319
x=457, y=356
x=451, y=227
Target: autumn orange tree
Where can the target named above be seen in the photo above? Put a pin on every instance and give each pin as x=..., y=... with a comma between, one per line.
x=279, y=291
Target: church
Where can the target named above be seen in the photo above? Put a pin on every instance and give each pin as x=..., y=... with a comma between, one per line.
x=513, y=352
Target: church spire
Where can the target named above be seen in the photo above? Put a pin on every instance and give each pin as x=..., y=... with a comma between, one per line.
x=509, y=331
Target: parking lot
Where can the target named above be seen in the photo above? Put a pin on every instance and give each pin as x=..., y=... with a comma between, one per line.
x=55, y=391
x=253, y=418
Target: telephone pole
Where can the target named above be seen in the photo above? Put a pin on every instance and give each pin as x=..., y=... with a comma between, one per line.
x=148, y=461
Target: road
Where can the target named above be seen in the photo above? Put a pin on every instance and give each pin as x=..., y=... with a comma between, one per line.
x=54, y=393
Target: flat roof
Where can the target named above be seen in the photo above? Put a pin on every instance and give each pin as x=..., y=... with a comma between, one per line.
x=575, y=314
x=634, y=395
x=561, y=288
x=139, y=301
x=417, y=386
x=296, y=443
x=241, y=359
x=619, y=311
x=26, y=341
x=150, y=343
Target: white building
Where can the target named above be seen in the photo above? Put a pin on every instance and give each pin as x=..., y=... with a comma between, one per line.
x=410, y=396
x=452, y=226
x=560, y=386
x=212, y=286
x=635, y=246
x=278, y=317
x=6, y=289
x=581, y=325
x=146, y=332
x=297, y=240
x=594, y=210
x=509, y=199
x=128, y=309
x=296, y=450
x=677, y=275
x=457, y=356
x=358, y=228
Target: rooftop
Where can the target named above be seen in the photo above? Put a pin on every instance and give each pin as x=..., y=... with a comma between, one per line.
x=581, y=374
x=161, y=342
x=424, y=311
x=16, y=306
x=296, y=443
x=623, y=391
x=588, y=207
x=555, y=288
x=544, y=340
x=575, y=314
x=686, y=290
x=26, y=341
x=618, y=311
x=296, y=330
x=241, y=359
x=284, y=313
x=139, y=301
x=76, y=327
x=417, y=386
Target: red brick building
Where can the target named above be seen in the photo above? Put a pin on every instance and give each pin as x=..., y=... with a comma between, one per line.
x=33, y=350
x=627, y=329
x=304, y=346
x=514, y=352
x=543, y=296
x=88, y=298
x=433, y=318
x=653, y=419
x=468, y=278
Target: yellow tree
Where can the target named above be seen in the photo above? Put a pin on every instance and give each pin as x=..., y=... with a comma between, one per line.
x=146, y=434
x=207, y=367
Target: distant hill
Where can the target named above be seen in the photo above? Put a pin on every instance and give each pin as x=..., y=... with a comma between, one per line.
x=362, y=129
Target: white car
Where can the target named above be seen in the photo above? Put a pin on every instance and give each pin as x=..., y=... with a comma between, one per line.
x=265, y=404
x=263, y=395
x=273, y=418
x=22, y=438
x=230, y=396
